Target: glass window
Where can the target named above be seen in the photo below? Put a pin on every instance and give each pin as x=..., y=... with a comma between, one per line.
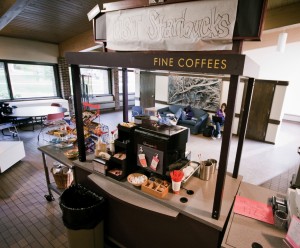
x=4, y=93
x=29, y=81
x=96, y=80
x=131, y=82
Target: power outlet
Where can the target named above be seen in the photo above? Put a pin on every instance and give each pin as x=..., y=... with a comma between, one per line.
x=156, y=1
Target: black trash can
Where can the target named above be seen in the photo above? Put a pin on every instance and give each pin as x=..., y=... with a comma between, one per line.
x=83, y=214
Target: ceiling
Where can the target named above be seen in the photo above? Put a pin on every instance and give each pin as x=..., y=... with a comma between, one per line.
x=56, y=21
x=48, y=21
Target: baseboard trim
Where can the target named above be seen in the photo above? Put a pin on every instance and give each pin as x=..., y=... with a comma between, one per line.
x=289, y=117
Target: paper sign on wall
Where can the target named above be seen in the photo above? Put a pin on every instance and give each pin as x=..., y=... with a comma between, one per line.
x=188, y=26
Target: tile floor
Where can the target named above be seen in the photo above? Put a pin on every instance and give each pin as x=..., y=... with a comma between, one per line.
x=28, y=220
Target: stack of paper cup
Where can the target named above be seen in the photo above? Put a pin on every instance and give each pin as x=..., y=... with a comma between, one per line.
x=205, y=168
x=176, y=176
x=213, y=165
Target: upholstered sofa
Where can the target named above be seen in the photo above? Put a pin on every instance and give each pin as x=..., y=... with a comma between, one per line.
x=196, y=124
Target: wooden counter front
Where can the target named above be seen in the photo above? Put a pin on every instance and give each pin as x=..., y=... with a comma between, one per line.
x=188, y=224
x=242, y=231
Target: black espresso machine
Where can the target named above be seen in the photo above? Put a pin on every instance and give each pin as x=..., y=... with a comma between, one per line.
x=158, y=147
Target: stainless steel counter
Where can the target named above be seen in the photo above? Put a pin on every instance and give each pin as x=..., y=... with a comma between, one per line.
x=244, y=231
x=199, y=204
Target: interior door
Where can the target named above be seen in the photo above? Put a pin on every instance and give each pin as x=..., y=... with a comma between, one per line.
x=261, y=104
x=147, y=89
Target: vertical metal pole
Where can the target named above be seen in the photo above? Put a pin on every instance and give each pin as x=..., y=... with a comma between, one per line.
x=243, y=128
x=78, y=111
x=125, y=94
x=225, y=147
x=46, y=174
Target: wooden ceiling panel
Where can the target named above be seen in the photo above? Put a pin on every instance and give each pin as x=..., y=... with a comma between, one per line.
x=51, y=21
x=273, y=4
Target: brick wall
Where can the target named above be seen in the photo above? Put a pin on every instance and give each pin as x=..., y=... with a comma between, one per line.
x=64, y=77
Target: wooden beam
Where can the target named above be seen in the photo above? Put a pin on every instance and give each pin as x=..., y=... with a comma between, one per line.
x=75, y=71
x=14, y=8
x=225, y=146
x=242, y=134
x=125, y=94
x=195, y=62
x=282, y=16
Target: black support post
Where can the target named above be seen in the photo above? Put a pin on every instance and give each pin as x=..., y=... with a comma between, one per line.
x=125, y=94
x=225, y=147
x=243, y=127
x=78, y=111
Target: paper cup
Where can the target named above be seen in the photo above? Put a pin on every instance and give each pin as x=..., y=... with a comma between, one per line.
x=176, y=187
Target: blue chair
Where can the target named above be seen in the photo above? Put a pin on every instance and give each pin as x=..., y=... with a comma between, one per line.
x=136, y=111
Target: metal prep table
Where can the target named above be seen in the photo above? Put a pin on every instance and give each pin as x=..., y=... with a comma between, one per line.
x=58, y=155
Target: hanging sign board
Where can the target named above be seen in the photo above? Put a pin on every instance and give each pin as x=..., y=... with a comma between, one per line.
x=188, y=26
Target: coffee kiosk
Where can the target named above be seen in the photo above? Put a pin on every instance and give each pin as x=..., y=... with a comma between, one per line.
x=202, y=219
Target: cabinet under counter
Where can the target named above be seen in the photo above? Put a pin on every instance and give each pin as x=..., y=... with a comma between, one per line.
x=134, y=217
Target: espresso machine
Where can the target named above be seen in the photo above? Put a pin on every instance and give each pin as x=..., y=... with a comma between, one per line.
x=157, y=147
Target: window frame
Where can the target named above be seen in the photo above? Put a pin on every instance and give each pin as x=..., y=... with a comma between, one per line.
x=109, y=72
x=9, y=84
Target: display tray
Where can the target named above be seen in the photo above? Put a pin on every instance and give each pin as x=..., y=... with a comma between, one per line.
x=126, y=128
x=120, y=156
x=115, y=170
x=114, y=173
x=121, y=162
x=178, y=164
x=195, y=166
x=63, y=145
x=99, y=166
x=71, y=154
x=161, y=129
x=158, y=188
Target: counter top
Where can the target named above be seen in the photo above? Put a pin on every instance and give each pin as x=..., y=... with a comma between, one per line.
x=57, y=154
x=199, y=205
x=243, y=231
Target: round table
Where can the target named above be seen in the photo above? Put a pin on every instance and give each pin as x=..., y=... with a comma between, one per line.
x=36, y=111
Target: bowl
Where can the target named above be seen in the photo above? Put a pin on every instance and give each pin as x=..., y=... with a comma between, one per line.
x=137, y=179
x=71, y=153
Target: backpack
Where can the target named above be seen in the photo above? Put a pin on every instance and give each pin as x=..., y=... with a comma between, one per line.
x=208, y=131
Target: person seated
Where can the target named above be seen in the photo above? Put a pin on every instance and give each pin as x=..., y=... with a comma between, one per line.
x=218, y=121
x=187, y=113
